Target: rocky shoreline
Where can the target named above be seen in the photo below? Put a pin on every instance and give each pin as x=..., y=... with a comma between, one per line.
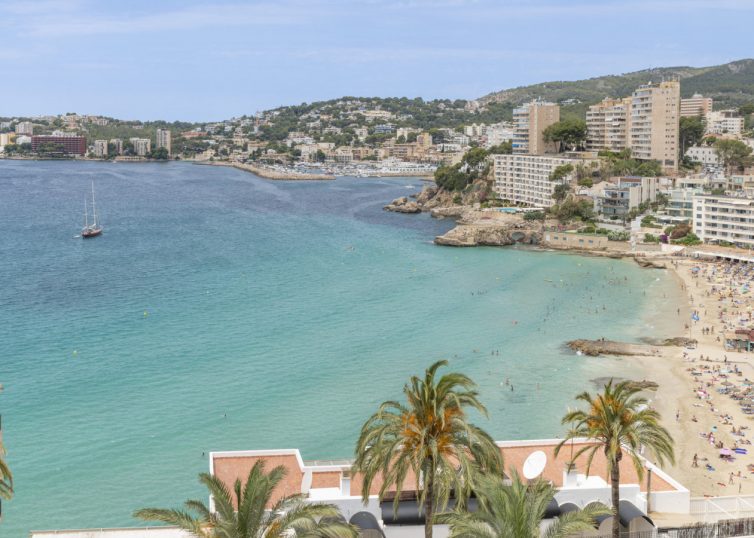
x=479, y=227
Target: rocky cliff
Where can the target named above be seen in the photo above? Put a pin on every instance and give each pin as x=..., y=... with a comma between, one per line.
x=433, y=197
x=495, y=234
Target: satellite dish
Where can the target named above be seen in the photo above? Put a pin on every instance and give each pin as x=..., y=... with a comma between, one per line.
x=535, y=464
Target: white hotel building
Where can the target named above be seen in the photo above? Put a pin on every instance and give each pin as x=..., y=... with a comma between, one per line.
x=525, y=179
x=335, y=482
x=724, y=218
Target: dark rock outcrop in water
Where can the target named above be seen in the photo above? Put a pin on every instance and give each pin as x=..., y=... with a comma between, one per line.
x=649, y=264
x=595, y=348
x=403, y=205
x=644, y=384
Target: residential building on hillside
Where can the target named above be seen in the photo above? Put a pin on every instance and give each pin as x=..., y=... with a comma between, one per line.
x=163, y=139
x=680, y=207
x=70, y=145
x=530, y=121
x=725, y=122
x=696, y=105
x=703, y=154
x=22, y=139
x=118, y=143
x=6, y=139
x=624, y=194
x=499, y=133
x=608, y=124
x=142, y=146
x=525, y=179
x=424, y=140
x=653, y=131
x=361, y=133
x=460, y=139
x=100, y=148
x=24, y=128
x=386, y=128
x=405, y=131
x=724, y=218
x=475, y=130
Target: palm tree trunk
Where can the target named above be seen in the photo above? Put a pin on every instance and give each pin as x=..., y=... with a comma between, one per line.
x=615, y=490
x=429, y=503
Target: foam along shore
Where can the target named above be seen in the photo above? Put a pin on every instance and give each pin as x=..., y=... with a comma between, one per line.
x=267, y=172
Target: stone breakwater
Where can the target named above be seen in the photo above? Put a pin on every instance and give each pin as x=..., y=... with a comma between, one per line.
x=596, y=348
x=272, y=173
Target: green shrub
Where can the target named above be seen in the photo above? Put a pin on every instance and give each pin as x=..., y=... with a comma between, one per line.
x=690, y=239
x=649, y=238
x=618, y=236
x=534, y=215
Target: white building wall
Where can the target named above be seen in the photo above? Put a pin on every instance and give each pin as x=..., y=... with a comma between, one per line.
x=723, y=218
x=525, y=179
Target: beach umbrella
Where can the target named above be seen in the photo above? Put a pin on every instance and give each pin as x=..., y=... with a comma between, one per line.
x=726, y=452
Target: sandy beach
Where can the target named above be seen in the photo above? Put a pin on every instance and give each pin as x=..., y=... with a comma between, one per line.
x=701, y=419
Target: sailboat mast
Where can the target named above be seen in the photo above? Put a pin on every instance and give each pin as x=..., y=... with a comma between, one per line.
x=94, y=208
x=86, y=214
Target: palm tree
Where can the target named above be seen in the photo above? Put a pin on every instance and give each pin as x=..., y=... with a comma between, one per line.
x=287, y=516
x=6, y=478
x=516, y=511
x=429, y=435
x=619, y=421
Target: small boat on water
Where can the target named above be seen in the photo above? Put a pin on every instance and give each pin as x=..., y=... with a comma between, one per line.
x=94, y=229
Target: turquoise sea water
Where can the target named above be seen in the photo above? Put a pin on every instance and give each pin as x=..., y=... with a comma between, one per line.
x=220, y=311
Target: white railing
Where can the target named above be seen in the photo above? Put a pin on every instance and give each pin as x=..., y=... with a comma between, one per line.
x=710, y=509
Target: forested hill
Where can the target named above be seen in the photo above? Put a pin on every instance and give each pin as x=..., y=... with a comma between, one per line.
x=730, y=85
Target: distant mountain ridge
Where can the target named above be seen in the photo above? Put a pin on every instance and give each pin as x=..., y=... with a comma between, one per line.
x=730, y=85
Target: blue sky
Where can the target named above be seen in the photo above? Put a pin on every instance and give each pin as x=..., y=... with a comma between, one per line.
x=205, y=60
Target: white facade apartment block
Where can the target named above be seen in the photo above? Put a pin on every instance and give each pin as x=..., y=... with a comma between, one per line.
x=497, y=134
x=163, y=139
x=525, y=179
x=142, y=146
x=24, y=128
x=100, y=148
x=725, y=122
x=702, y=154
x=724, y=218
x=118, y=143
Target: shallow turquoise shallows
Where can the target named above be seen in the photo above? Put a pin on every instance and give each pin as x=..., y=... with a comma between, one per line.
x=219, y=311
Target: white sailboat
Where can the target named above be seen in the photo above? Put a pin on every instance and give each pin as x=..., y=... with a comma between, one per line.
x=94, y=229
